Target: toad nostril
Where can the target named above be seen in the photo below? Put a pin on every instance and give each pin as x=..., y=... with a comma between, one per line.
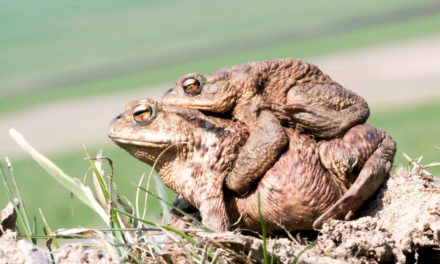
x=167, y=92
x=116, y=118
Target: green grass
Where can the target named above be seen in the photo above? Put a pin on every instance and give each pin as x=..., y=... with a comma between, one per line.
x=415, y=128
x=86, y=49
x=60, y=208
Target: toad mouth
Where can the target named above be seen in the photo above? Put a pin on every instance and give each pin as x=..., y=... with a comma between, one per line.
x=142, y=143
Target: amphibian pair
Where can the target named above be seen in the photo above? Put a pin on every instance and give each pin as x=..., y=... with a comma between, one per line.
x=193, y=154
x=306, y=169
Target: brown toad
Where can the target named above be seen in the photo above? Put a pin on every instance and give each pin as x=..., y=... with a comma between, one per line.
x=193, y=153
x=297, y=93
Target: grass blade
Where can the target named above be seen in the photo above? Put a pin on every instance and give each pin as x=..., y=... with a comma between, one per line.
x=48, y=230
x=296, y=260
x=73, y=185
x=105, y=191
x=48, y=245
x=176, y=208
x=22, y=208
x=144, y=212
x=164, y=227
x=263, y=232
x=98, y=177
x=6, y=185
x=21, y=226
x=136, y=212
x=160, y=188
x=34, y=230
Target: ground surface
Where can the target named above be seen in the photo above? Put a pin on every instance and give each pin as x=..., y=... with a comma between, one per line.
x=386, y=76
x=401, y=225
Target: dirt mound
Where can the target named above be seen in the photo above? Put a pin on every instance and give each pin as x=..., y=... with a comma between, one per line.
x=23, y=252
x=18, y=252
x=401, y=225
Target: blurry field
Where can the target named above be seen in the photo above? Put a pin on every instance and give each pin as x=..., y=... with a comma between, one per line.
x=50, y=51
x=85, y=49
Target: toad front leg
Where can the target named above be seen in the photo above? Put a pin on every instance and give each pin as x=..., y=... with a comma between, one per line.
x=365, y=147
x=211, y=201
x=214, y=215
x=266, y=141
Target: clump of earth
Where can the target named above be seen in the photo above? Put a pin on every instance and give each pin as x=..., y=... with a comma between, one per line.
x=401, y=224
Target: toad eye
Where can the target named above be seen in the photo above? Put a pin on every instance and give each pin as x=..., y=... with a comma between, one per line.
x=192, y=86
x=144, y=113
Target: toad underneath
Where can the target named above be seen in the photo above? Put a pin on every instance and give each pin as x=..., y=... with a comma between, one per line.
x=264, y=96
x=194, y=153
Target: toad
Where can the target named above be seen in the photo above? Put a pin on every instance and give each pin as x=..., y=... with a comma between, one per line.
x=193, y=154
x=264, y=95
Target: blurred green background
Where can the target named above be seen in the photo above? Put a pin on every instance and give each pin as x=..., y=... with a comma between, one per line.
x=58, y=52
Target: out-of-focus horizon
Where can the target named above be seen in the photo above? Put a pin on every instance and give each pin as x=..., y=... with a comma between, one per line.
x=56, y=52
x=57, y=46
x=69, y=67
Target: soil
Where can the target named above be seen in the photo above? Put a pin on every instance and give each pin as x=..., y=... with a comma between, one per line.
x=24, y=252
x=401, y=224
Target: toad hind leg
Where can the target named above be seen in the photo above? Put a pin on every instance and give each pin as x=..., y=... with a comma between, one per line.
x=319, y=120
x=264, y=145
x=373, y=173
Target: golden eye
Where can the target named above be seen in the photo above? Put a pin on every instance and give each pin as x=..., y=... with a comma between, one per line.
x=143, y=113
x=192, y=86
